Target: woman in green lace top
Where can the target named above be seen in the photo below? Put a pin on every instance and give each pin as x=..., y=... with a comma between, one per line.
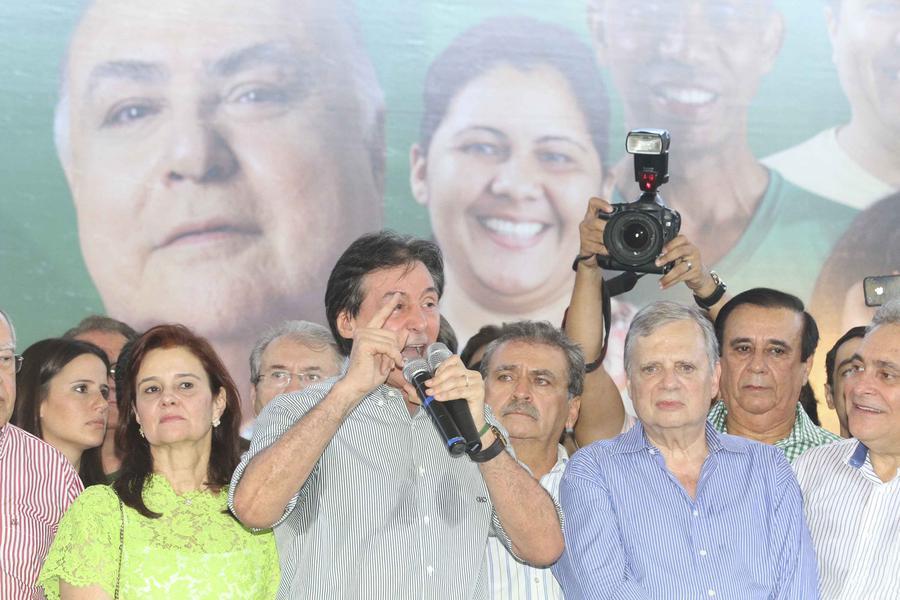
x=162, y=530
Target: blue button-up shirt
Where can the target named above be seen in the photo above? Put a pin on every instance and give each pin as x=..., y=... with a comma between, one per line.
x=632, y=531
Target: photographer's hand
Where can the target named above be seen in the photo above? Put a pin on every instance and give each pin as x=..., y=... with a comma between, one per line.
x=591, y=232
x=687, y=267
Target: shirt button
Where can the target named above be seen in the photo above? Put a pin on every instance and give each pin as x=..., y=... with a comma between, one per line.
x=711, y=593
x=696, y=513
x=703, y=553
x=380, y=402
x=537, y=579
x=422, y=470
x=427, y=520
x=652, y=452
x=429, y=570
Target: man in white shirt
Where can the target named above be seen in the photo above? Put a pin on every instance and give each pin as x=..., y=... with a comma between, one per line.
x=851, y=491
x=533, y=377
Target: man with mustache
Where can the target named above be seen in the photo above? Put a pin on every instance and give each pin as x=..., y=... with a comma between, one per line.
x=767, y=341
x=533, y=377
x=354, y=468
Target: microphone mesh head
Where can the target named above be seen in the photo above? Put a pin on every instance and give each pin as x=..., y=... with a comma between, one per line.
x=414, y=367
x=437, y=353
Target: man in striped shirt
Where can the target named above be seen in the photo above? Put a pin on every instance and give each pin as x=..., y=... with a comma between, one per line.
x=533, y=376
x=851, y=489
x=37, y=485
x=672, y=508
x=364, y=497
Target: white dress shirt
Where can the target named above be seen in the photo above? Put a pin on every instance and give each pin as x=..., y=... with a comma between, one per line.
x=854, y=519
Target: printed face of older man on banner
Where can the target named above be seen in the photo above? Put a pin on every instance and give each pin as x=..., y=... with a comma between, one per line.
x=217, y=163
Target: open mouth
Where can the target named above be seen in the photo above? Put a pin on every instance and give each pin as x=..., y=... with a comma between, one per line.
x=867, y=409
x=413, y=351
x=688, y=95
x=513, y=234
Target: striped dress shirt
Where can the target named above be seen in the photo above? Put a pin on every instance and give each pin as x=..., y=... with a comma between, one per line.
x=386, y=512
x=854, y=519
x=510, y=579
x=804, y=434
x=37, y=485
x=632, y=531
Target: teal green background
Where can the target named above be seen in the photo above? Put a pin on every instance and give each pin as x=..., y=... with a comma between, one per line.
x=43, y=281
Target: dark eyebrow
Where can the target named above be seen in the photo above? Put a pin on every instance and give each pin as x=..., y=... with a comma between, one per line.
x=192, y=375
x=844, y=363
x=561, y=138
x=482, y=128
x=886, y=364
x=132, y=70
x=746, y=340
x=259, y=54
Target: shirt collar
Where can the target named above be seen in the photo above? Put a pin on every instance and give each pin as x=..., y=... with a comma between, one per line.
x=802, y=430
x=856, y=455
x=562, y=457
x=634, y=440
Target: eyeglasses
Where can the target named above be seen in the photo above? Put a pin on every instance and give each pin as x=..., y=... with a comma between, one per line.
x=11, y=363
x=282, y=379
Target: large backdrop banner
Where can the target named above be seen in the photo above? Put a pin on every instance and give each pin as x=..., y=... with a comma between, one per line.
x=207, y=162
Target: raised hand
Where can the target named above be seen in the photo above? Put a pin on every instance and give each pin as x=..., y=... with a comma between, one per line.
x=591, y=229
x=376, y=351
x=688, y=267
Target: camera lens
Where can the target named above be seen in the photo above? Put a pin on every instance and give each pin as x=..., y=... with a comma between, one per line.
x=636, y=237
x=633, y=237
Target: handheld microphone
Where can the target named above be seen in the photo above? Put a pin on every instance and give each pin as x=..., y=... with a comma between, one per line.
x=416, y=372
x=458, y=409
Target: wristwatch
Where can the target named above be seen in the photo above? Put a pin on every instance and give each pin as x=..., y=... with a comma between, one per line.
x=491, y=451
x=717, y=294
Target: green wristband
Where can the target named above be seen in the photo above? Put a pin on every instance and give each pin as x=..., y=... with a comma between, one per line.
x=484, y=430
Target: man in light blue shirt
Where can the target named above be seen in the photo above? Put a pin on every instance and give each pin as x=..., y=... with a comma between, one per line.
x=673, y=509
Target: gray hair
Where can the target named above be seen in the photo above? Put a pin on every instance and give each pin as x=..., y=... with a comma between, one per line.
x=887, y=314
x=101, y=323
x=541, y=332
x=12, y=330
x=655, y=315
x=306, y=333
x=357, y=64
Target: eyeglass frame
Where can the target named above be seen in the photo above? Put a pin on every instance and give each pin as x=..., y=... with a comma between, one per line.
x=18, y=360
x=304, y=376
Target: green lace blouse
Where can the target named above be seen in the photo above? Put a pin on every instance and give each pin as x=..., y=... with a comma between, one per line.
x=193, y=551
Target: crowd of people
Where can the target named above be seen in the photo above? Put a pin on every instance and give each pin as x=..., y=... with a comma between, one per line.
x=344, y=488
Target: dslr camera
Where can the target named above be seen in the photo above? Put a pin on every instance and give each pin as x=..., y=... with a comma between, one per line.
x=637, y=231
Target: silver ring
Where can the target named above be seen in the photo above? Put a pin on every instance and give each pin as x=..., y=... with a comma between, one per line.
x=690, y=266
